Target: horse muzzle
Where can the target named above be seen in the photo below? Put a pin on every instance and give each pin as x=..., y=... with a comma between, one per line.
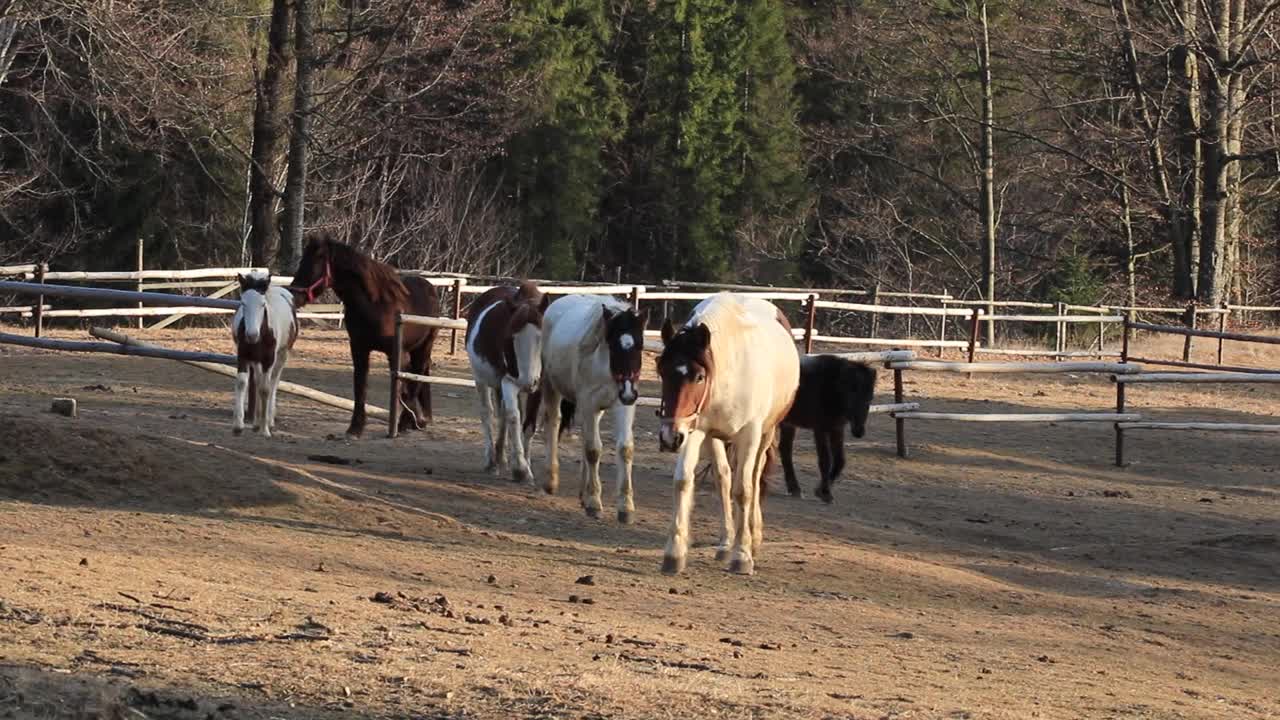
x=669, y=438
x=628, y=393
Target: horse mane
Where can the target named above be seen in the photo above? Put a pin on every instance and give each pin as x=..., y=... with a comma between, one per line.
x=380, y=280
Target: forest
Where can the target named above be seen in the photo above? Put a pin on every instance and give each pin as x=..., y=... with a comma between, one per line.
x=1078, y=150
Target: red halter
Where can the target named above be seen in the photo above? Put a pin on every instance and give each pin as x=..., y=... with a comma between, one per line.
x=320, y=285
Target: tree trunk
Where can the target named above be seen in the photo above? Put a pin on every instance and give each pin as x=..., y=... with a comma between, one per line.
x=1191, y=185
x=1214, y=261
x=1131, y=259
x=268, y=128
x=988, y=176
x=296, y=185
x=1235, y=142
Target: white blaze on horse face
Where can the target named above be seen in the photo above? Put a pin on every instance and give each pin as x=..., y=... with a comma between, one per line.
x=528, y=347
x=253, y=310
x=626, y=342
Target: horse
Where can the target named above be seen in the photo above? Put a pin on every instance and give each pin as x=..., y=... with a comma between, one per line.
x=592, y=350
x=372, y=293
x=833, y=392
x=504, y=344
x=264, y=328
x=729, y=376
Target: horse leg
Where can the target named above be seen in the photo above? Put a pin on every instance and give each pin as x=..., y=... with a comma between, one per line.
x=360, y=385
x=273, y=381
x=747, y=452
x=551, y=433
x=822, y=441
x=757, y=509
x=261, y=415
x=833, y=440
x=676, y=554
x=624, y=418
x=424, y=389
x=486, y=424
x=788, y=469
x=500, y=444
x=724, y=478
x=412, y=393
x=589, y=489
x=520, y=471
x=237, y=406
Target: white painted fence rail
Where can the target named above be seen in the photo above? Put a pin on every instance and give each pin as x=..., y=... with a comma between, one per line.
x=104, y=294
x=894, y=309
x=1021, y=417
x=1118, y=369
x=1193, y=377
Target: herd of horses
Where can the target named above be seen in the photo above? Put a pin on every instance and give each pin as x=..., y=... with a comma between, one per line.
x=733, y=382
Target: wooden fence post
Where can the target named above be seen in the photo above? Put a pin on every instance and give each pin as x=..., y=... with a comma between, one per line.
x=875, y=316
x=139, y=287
x=1102, y=339
x=457, y=313
x=397, y=347
x=37, y=313
x=974, y=327
x=1190, y=319
x=942, y=330
x=1222, y=327
x=635, y=299
x=1124, y=358
x=900, y=424
x=811, y=316
x=1060, y=341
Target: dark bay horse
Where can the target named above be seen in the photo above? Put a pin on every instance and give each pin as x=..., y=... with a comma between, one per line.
x=371, y=293
x=833, y=392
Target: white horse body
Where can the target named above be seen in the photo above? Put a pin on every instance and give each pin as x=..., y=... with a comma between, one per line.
x=575, y=367
x=264, y=328
x=756, y=374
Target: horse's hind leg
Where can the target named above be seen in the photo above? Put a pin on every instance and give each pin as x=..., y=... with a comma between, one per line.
x=624, y=418
x=785, y=445
x=724, y=484
x=486, y=425
x=277, y=371
x=262, y=411
x=360, y=385
x=822, y=441
x=550, y=400
x=757, y=511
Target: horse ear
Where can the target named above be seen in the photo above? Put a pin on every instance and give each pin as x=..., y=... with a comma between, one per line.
x=546, y=300
x=244, y=281
x=608, y=314
x=668, y=331
x=702, y=336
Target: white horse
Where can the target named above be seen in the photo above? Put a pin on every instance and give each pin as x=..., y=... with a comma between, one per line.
x=264, y=327
x=728, y=376
x=592, y=349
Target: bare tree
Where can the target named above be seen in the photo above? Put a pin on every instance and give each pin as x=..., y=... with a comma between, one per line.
x=295, y=193
x=268, y=130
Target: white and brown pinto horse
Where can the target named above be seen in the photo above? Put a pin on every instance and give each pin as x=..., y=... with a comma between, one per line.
x=728, y=376
x=592, y=350
x=265, y=326
x=504, y=344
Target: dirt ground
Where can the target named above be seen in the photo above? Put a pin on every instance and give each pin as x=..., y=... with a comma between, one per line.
x=154, y=566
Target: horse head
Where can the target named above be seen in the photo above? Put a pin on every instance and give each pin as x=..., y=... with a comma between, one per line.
x=525, y=330
x=253, y=302
x=686, y=368
x=315, y=271
x=624, y=336
x=857, y=386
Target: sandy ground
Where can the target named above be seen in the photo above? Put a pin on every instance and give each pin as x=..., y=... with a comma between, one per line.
x=154, y=566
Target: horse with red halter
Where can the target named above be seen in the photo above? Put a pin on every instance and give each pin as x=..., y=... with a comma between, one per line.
x=729, y=376
x=372, y=293
x=504, y=345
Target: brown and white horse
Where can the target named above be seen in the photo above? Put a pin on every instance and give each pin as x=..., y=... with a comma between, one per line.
x=504, y=344
x=728, y=376
x=265, y=326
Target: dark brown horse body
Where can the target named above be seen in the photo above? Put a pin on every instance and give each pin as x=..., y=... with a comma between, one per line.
x=372, y=293
x=833, y=392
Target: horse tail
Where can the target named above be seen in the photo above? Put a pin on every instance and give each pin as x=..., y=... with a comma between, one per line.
x=567, y=409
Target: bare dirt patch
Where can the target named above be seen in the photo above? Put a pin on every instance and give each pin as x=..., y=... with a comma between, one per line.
x=153, y=565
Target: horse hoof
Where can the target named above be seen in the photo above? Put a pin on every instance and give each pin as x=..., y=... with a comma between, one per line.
x=550, y=489
x=825, y=495
x=237, y=431
x=520, y=476
x=795, y=493
x=626, y=517
x=722, y=554
x=592, y=512
x=672, y=565
x=743, y=566
x=354, y=435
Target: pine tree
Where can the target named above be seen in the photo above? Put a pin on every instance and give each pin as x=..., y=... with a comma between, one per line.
x=558, y=164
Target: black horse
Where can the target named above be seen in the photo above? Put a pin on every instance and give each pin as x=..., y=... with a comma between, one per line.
x=833, y=391
x=372, y=293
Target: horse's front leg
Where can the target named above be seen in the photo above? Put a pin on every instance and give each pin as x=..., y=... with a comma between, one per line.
x=624, y=418
x=241, y=393
x=277, y=372
x=551, y=433
x=592, y=446
x=360, y=386
x=747, y=458
x=822, y=443
x=724, y=478
x=785, y=445
x=675, y=557
x=520, y=471
x=262, y=410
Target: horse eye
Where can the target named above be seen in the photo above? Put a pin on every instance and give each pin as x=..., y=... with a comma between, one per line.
x=700, y=378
